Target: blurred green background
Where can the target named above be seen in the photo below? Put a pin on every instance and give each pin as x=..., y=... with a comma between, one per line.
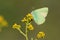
x=15, y=10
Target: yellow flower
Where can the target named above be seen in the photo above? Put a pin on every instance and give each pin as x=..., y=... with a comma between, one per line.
x=24, y=20
x=1, y=19
x=40, y=35
x=29, y=19
x=30, y=16
x=4, y=23
x=15, y=26
x=30, y=27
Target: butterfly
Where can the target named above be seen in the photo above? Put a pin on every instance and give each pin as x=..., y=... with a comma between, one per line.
x=39, y=15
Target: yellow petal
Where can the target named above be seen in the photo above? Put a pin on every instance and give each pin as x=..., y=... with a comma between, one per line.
x=29, y=15
x=15, y=26
x=1, y=19
x=30, y=27
x=4, y=23
x=24, y=20
x=41, y=35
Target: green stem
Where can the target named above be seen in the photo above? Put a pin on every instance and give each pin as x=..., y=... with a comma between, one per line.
x=26, y=33
x=31, y=38
x=22, y=32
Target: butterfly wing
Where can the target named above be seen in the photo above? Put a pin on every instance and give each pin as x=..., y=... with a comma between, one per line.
x=43, y=11
x=39, y=16
x=39, y=19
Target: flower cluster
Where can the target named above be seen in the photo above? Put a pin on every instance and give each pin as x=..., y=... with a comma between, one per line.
x=40, y=35
x=15, y=26
x=3, y=22
x=28, y=18
x=30, y=27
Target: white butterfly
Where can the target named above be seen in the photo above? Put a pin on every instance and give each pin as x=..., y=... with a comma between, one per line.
x=39, y=15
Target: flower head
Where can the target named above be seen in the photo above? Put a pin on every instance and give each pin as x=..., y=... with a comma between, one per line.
x=1, y=19
x=30, y=27
x=40, y=35
x=3, y=22
x=24, y=19
x=15, y=26
x=28, y=18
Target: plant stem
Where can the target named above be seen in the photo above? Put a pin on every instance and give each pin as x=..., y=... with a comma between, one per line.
x=22, y=32
x=31, y=38
x=26, y=33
